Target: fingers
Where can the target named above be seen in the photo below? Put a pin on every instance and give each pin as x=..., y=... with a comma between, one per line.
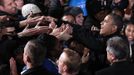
x=38, y=23
x=86, y=55
x=85, y=58
x=66, y=28
x=12, y=61
x=10, y=29
x=49, y=18
x=52, y=25
x=26, y=27
x=30, y=15
x=93, y=28
x=4, y=18
x=13, y=67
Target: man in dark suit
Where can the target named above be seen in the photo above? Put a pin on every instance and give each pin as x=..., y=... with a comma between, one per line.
x=117, y=54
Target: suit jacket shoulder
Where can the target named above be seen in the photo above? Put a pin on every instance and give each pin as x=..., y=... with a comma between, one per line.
x=37, y=71
x=119, y=68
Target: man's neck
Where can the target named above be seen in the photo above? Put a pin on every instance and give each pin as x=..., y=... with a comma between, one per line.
x=29, y=65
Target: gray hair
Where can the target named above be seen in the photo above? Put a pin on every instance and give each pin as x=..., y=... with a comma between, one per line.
x=117, y=46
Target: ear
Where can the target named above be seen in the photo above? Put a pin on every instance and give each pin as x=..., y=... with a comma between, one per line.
x=114, y=29
x=28, y=59
x=65, y=68
x=112, y=57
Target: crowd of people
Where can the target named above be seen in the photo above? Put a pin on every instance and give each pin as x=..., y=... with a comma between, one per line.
x=57, y=37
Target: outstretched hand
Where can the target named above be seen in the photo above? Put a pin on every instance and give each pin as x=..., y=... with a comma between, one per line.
x=13, y=67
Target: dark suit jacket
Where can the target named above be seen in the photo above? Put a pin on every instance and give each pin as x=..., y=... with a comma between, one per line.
x=119, y=68
x=37, y=71
x=132, y=52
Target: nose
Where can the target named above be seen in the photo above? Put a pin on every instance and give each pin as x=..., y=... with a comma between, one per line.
x=14, y=4
x=131, y=33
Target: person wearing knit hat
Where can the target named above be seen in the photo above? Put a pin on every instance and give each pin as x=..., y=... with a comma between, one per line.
x=78, y=14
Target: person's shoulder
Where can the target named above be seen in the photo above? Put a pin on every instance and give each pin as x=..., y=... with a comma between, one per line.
x=37, y=71
x=45, y=71
x=104, y=71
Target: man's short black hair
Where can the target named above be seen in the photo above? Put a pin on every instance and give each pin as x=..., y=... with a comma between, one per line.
x=118, y=21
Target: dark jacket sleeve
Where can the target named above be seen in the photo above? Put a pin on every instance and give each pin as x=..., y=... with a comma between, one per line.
x=84, y=36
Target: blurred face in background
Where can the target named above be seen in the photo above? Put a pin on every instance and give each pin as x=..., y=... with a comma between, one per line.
x=19, y=4
x=129, y=32
x=60, y=63
x=9, y=6
x=79, y=19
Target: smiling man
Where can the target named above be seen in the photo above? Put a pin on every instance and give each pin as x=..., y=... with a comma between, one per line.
x=8, y=6
x=111, y=26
